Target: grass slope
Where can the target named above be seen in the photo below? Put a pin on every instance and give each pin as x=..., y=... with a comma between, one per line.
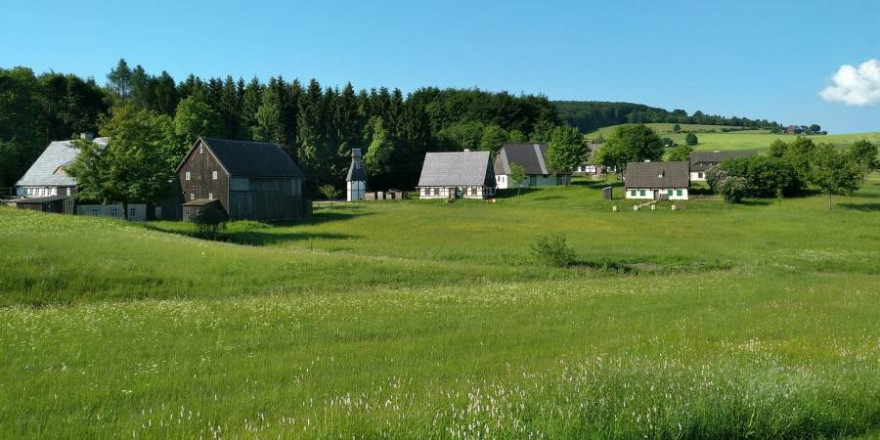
x=711, y=138
x=422, y=319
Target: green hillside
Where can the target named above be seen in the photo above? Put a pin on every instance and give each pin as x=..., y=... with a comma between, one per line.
x=421, y=319
x=712, y=138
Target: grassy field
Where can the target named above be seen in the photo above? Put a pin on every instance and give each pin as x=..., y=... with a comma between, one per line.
x=711, y=138
x=429, y=320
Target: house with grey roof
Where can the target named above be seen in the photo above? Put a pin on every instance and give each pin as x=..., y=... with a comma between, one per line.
x=467, y=174
x=589, y=167
x=48, y=177
x=533, y=158
x=657, y=180
x=701, y=161
x=249, y=180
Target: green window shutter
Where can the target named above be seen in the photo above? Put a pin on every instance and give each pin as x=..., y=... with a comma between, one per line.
x=668, y=192
x=641, y=192
x=678, y=192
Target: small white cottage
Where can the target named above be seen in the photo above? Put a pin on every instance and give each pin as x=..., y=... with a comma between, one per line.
x=657, y=180
x=356, y=181
x=465, y=174
x=533, y=158
x=701, y=161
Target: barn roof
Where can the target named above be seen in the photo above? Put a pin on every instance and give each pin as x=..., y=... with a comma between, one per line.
x=48, y=169
x=530, y=156
x=703, y=160
x=657, y=175
x=463, y=168
x=252, y=159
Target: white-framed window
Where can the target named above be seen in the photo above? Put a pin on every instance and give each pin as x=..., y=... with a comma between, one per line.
x=187, y=175
x=201, y=149
x=95, y=212
x=114, y=212
x=132, y=212
x=192, y=196
x=68, y=191
x=214, y=175
x=210, y=196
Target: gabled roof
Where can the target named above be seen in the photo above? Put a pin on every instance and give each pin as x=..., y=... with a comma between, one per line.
x=531, y=156
x=657, y=175
x=48, y=170
x=356, y=171
x=703, y=160
x=464, y=168
x=249, y=159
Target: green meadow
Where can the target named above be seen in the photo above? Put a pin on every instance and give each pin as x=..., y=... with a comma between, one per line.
x=711, y=137
x=422, y=319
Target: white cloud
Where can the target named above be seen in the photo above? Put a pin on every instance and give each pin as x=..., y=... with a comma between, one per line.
x=855, y=85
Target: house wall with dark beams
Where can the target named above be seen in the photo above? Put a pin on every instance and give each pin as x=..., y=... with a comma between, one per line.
x=202, y=177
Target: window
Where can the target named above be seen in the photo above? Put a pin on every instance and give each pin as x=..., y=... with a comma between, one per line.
x=95, y=212
x=132, y=212
x=68, y=191
x=678, y=192
x=187, y=176
x=114, y=212
x=201, y=149
x=668, y=192
x=436, y=191
x=214, y=175
x=210, y=196
x=192, y=196
x=641, y=192
x=699, y=175
x=632, y=193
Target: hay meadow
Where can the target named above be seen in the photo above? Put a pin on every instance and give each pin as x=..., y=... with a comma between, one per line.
x=422, y=319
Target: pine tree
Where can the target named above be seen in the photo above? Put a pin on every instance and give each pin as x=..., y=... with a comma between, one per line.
x=119, y=80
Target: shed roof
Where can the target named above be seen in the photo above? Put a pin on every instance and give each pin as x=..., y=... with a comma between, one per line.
x=531, y=156
x=251, y=159
x=464, y=168
x=48, y=169
x=201, y=202
x=703, y=160
x=657, y=175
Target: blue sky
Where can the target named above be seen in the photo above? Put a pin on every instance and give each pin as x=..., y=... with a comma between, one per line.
x=767, y=59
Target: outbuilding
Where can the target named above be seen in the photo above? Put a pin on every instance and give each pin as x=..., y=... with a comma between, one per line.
x=657, y=180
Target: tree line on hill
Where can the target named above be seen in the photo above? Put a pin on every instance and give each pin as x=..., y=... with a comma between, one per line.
x=316, y=125
x=590, y=115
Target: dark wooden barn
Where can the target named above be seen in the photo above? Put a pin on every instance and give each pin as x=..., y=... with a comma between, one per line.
x=251, y=180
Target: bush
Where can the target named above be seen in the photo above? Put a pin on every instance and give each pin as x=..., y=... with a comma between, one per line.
x=764, y=175
x=553, y=250
x=732, y=188
x=210, y=222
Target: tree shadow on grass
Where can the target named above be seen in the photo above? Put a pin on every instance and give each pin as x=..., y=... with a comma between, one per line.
x=511, y=192
x=756, y=202
x=864, y=207
x=326, y=215
x=258, y=238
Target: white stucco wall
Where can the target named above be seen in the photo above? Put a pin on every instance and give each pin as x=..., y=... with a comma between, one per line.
x=139, y=211
x=649, y=193
x=531, y=181
x=467, y=192
x=699, y=176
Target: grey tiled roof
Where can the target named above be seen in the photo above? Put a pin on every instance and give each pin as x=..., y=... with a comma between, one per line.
x=252, y=159
x=465, y=168
x=703, y=160
x=530, y=155
x=45, y=171
x=657, y=175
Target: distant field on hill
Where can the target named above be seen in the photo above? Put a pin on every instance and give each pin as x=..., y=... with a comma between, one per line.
x=423, y=319
x=738, y=140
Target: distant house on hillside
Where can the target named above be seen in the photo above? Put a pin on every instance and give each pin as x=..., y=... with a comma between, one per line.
x=657, y=180
x=466, y=174
x=47, y=187
x=533, y=158
x=701, y=161
x=590, y=165
x=794, y=129
x=249, y=180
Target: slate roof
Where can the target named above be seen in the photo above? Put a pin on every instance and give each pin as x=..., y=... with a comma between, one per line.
x=657, y=175
x=464, y=168
x=703, y=160
x=251, y=159
x=531, y=156
x=45, y=170
x=356, y=171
